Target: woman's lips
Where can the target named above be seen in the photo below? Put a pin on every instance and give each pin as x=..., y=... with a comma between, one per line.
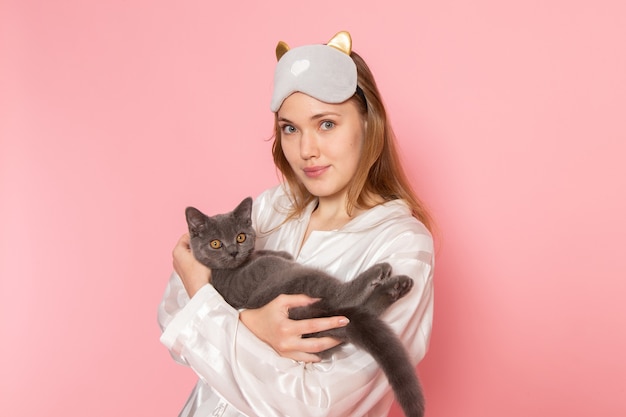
x=313, y=172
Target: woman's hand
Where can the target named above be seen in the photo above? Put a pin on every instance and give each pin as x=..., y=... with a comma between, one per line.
x=271, y=323
x=193, y=274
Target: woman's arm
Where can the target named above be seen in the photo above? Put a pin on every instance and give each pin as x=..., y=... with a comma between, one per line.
x=249, y=374
x=270, y=323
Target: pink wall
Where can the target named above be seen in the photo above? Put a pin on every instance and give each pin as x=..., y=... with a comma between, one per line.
x=116, y=115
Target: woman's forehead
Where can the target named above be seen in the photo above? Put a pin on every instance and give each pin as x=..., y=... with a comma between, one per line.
x=302, y=106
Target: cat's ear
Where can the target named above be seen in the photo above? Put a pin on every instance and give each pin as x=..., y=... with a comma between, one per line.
x=196, y=220
x=244, y=209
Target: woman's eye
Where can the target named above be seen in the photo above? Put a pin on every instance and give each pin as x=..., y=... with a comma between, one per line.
x=287, y=129
x=241, y=237
x=216, y=244
x=327, y=125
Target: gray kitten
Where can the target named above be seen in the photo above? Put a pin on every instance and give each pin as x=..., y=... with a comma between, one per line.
x=250, y=279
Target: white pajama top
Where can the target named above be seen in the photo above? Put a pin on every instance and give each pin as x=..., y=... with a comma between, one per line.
x=239, y=375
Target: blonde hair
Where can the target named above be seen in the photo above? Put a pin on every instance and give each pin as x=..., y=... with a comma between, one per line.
x=379, y=172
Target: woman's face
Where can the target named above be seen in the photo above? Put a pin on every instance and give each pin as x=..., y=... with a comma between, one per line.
x=322, y=142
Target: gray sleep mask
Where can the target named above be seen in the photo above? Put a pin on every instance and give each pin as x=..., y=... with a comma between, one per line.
x=324, y=72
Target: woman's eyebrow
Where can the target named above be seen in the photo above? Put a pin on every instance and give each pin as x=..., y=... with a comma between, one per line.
x=314, y=117
x=325, y=114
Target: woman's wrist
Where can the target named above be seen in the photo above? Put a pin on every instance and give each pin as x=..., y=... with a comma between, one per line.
x=200, y=279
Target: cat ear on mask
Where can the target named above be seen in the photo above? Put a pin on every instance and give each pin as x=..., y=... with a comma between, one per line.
x=244, y=209
x=196, y=220
x=281, y=49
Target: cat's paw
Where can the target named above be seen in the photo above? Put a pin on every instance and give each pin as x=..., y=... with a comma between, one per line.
x=388, y=292
x=383, y=271
x=396, y=287
x=400, y=287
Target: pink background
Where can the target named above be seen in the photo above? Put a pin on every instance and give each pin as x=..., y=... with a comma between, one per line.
x=115, y=115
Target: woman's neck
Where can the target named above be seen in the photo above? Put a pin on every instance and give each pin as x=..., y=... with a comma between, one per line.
x=331, y=209
x=330, y=214
x=334, y=210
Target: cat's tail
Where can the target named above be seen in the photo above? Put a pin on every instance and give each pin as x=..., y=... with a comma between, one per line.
x=373, y=335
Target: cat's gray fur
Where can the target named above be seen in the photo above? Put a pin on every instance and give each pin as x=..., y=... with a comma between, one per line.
x=250, y=279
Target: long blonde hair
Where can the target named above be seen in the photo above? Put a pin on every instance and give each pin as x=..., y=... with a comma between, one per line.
x=379, y=172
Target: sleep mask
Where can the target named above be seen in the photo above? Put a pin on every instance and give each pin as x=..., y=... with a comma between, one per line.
x=324, y=72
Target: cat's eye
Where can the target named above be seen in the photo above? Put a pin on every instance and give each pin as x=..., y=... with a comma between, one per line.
x=241, y=237
x=215, y=244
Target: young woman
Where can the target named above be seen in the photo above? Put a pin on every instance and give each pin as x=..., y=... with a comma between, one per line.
x=345, y=205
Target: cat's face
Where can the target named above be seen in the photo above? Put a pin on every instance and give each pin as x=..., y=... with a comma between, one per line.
x=223, y=241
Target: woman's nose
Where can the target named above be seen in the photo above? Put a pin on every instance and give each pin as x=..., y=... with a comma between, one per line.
x=308, y=146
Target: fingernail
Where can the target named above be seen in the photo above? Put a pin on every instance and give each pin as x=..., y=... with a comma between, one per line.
x=344, y=320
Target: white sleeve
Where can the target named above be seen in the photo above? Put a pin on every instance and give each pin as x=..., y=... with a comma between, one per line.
x=206, y=333
x=174, y=300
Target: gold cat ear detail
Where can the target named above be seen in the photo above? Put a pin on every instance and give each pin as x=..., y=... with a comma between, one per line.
x=341, y=41
x=281, y=49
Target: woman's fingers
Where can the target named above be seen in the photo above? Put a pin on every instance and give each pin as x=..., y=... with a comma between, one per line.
x=271, y=323
x=308, y=326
